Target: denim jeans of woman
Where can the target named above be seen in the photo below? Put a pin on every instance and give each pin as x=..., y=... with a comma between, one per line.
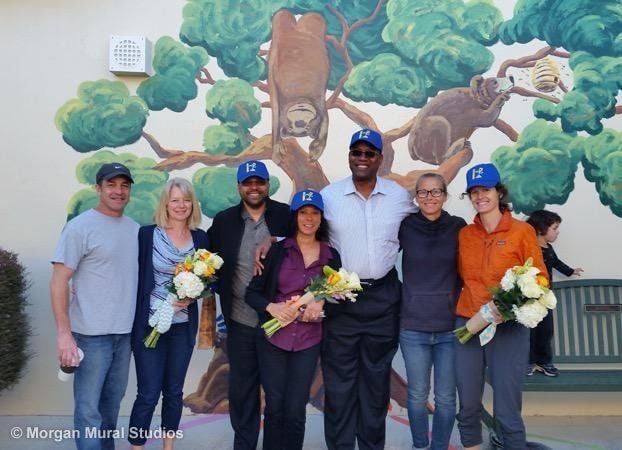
x=160, y=370
x=423, y=351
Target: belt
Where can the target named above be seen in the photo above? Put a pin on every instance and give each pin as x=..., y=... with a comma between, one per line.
x=375, y=282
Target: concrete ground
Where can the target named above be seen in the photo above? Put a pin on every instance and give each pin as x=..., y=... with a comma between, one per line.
x=213, y=432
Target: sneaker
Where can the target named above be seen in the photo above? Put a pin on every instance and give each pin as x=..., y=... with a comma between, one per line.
x=547, y=369
x=531, y=368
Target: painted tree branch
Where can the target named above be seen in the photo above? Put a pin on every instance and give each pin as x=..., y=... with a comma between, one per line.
x=204, y=77
x=528, y=93
x=619, y=109
x=342, y=44
x=560, y=54
x=522, y=62
x=307, y=175
x=158, y=149
x=448, y=169
x=506, y=129
x=562, y=86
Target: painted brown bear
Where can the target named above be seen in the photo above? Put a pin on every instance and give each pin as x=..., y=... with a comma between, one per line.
x=443, y=125
x=298, y=69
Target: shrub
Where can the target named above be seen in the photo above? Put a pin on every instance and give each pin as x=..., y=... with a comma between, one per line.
x=14, y=325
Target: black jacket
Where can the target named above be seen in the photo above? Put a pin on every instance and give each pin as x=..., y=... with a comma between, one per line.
x=146, y=283
x=262, y=288
x=225, y=237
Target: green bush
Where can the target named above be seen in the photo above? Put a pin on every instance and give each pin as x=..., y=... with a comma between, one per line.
x=14, y=325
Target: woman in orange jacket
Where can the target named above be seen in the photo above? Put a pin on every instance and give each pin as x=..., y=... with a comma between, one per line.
x=487, y=248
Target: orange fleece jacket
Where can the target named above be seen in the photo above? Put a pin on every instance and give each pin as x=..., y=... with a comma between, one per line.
x=484, y=257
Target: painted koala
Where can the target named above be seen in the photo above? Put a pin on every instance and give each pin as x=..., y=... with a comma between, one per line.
x=298, y=69
x=443, y=125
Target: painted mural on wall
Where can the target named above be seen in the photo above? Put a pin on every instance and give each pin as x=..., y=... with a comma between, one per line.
x=293, y=63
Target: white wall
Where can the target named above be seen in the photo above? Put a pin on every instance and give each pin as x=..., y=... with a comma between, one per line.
x=50, y=47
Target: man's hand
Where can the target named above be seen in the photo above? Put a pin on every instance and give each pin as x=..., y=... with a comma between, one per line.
x=260, y=253
x=67, y=350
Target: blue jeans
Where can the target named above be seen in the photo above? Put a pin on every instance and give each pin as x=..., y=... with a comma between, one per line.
x=160, y=370
x=98, y=388
x=421, y=351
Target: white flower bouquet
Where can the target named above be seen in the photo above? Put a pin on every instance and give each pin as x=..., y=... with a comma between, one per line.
x=193, y=277
x=524, y=296
x=331, y=286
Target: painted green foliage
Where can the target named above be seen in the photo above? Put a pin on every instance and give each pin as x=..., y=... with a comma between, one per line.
x=148, y=184
x=592, y=31
x=174, y=83
x=216, y=188
x=103, y=115
x=232, y=102
x=403, y=55
x=540, y=168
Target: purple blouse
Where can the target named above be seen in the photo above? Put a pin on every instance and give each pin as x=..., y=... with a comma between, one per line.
x=293, y=278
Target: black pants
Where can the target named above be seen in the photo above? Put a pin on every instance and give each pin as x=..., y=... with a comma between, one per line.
x=286, y=378
x=541, y=341
x=357, y=352
x=244, y=393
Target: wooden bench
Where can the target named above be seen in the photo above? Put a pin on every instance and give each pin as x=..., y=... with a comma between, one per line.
x=588, y=336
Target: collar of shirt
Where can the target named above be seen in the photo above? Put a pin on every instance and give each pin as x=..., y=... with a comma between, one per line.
x=379, y=188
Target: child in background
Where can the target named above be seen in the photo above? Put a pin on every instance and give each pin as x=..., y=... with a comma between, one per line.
x=546, y=224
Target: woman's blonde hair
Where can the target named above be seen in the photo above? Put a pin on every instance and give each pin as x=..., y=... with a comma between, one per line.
x=160, y=216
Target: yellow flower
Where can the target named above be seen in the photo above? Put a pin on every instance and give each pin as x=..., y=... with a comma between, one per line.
x=333, y=278
x=210, y=271
x=188, y=265
x=205, y=255
x=542, y=280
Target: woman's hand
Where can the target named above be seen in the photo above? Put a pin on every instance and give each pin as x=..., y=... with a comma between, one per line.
x=314, y=312
x=179, y=305
x=285, y=312
x=498, y=318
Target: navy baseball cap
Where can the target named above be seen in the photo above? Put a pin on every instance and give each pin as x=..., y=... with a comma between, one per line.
x=483, y=175
x=252, y=168
x=367, y=135
x=307, y=197
x=110, y=170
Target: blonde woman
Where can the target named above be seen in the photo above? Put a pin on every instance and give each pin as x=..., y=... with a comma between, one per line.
x=162, y=370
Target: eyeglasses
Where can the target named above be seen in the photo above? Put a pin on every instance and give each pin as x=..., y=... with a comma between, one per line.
x=370, y=154
x=423, y=193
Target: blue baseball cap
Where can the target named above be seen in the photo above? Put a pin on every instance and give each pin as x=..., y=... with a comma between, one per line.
x=252, y=168
x=307, y=197
x=483, y=175
x=367, y=135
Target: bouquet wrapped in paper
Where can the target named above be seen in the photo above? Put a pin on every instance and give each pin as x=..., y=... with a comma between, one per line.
x=332, y=286
x=191, y=280
x=524, y=296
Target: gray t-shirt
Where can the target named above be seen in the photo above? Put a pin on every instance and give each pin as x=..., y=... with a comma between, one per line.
x=103, y=252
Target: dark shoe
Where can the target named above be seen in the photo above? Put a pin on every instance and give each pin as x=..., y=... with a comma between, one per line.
x=547, y=369
x=531, y=368
x=537, y=446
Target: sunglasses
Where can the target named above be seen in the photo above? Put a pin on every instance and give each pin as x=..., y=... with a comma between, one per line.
x=370, y=154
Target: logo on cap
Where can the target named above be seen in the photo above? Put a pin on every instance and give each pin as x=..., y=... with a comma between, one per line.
x=250, y=167
x=477, y=172
x=307, y=196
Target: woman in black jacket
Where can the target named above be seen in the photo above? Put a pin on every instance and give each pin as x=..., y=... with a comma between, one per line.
x=162, y=370
x=288, y=359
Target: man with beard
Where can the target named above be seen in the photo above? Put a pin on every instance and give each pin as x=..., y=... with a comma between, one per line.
x=98, y=253
x=364, y=213
x=234, y=235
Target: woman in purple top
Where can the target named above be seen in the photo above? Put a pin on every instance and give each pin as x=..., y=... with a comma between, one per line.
x=289, y=358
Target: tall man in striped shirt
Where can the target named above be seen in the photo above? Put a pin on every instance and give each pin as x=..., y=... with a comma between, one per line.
x=364, y=213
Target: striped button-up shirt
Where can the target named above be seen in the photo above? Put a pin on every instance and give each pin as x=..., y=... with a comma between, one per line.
x=364, y=231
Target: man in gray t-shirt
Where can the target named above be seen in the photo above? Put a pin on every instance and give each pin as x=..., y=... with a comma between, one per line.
x=93, y=296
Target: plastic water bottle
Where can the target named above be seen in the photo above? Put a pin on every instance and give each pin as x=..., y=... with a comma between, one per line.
x=65, y=373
